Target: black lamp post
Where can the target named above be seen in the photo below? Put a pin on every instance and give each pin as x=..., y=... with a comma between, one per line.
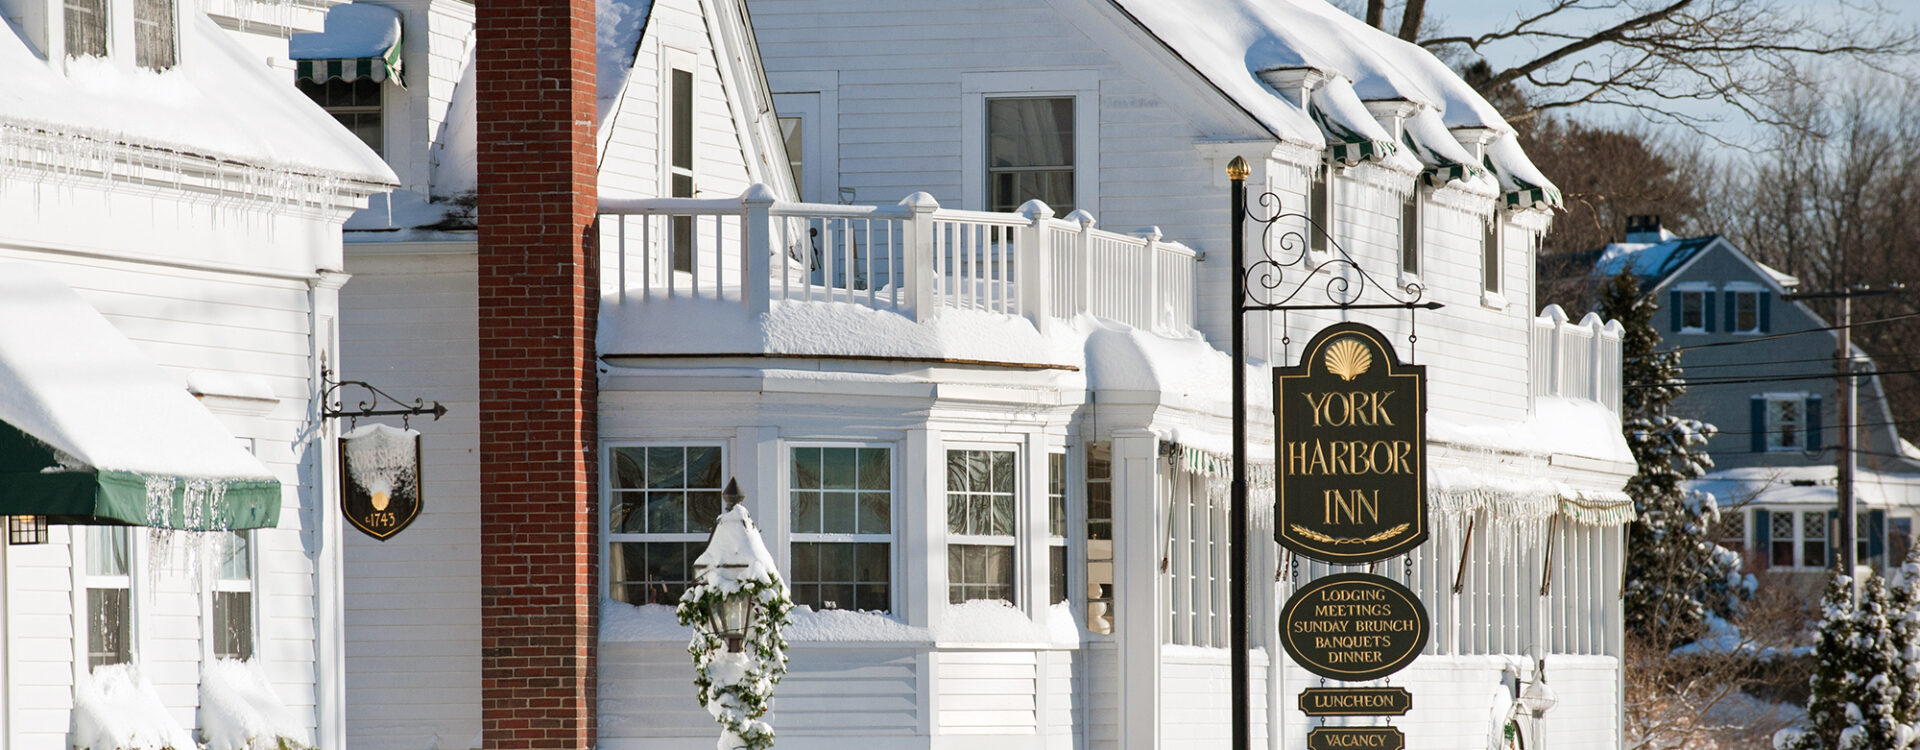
x=734, y=616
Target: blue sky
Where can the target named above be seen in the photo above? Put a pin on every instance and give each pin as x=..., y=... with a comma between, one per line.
x=1469, y=16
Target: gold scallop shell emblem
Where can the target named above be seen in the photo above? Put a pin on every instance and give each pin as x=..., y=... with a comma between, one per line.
x=1348, y=358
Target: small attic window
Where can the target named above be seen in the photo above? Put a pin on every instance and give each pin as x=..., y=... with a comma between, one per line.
x=86, y=24
x=356, y=104
x=154, y=32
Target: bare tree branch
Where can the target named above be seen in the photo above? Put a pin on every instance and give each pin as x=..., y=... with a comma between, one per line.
x=1411, y=18
x=1376, y=13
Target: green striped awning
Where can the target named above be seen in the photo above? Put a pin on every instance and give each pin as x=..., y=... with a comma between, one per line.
x=361, y=40
x=1354, y=152
x=378, y=69
x=1445, y=173
x=1532, y=197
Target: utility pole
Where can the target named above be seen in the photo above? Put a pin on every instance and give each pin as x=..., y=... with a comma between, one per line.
x=1845, y=392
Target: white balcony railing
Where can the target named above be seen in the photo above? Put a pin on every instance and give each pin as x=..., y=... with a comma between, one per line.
x=914, y=258
x=1576, y=360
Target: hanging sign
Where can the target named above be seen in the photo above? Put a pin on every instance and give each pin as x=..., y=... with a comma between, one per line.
x=1356, y=738
x=1353, y=627
x=380, y=479
x=1352, y=478
x=1362, y=701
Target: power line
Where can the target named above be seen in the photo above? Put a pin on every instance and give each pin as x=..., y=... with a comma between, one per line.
x=1895, y=423
x=1758, y=339
x=1828, y=360
x=1690, y=383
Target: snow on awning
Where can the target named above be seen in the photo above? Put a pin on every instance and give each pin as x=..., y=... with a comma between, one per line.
x=91, y=431
x=359, y=41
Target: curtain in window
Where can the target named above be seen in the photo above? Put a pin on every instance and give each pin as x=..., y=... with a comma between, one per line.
x=86, y=22
x=153, y=32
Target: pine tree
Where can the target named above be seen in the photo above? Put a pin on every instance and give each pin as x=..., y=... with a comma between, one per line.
x=1903, y=620
x=1873, y=663
x=1676, y=575
x=1833, y=683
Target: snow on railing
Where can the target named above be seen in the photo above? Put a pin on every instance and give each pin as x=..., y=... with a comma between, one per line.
x=914, y=258
x=1576, y=360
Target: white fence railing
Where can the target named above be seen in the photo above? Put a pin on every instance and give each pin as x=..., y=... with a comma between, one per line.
x=914, y=258
x=1576, y=360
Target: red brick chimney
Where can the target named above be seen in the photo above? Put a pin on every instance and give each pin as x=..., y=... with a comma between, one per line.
x=539, y=282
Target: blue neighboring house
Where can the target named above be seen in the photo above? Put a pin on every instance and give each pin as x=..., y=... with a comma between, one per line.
x=1771, y=393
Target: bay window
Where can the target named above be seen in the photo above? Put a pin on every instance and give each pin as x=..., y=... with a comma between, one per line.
x=981, y=507
x=662, y=503
x=842, y=527
x=1056, y=528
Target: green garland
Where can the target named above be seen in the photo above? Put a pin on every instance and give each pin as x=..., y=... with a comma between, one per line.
x=739, y=704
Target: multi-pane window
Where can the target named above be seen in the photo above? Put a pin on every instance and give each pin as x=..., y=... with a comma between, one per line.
x=109, y=585
x=86, y=23
x=356, y=104
x=1786, y=423
x=791, y=132
x=680, y=161
x=981, y=503
x=1056, y=527
x=1745, y=307
x=233, y=598
x=1780, y=547
x=663, y=505
x=153, y=34
x=1813, y=539
x=1733, y=530
x=1320, y=209
x=1693, y=310
x=1410, y=234
x=1030, y=145
x=1100, y=591
x=842, y=543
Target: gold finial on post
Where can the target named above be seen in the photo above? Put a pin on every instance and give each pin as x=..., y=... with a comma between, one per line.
x=1237, y=169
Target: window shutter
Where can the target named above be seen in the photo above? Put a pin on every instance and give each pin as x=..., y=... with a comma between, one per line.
x=1766, y=317
x=1757, y=427
x=1733, y=311
x=1762, y=537
x=1813, y=423
x=1876, y=534
x=1673, y=311
x=1706, y=310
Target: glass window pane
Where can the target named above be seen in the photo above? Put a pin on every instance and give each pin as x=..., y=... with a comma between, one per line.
x=1056, y=574
x=666, y=513
x=627, y=470
x=836, y=562
x=876, y=513
x=873, y=597
x=233, y=624
x=806, y=512
x=86, y=24
x=837, y=468
x=235, y=562
x=839, y=513
x=666, y=468
x=703, y=510
x=1002, y=510
x=625, y=516
x=1003, y=472
x=956, y=514
x=109, y=625
x=703, y=467
x=806, y=468
x=836, y=596
x=872, y=562
x=876, y=469
x=107, y=550
x=1030, y=132
x=806, y=561
x=153, y=32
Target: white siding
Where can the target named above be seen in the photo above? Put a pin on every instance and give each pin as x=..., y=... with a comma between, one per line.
x=413, y=601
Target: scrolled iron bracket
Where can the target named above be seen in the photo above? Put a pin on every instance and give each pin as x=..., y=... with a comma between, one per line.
x=332, y=407
x=1270, y=279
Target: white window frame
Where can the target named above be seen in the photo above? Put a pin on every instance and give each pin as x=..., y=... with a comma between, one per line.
x=1796, y=519
x=1062, y=542
x=1020, y=597
x=1800, y=400
x=896, y=572
x=1492, y=265
x=1107, y=618
x=607, y=492
x=173, y=20
x=1736, y=293
x=1084, y=88
x=80, y=543
x=220, y=584
x=814, y=96
x=1321, y=209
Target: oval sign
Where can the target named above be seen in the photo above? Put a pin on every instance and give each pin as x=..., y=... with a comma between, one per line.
x=1353, y=627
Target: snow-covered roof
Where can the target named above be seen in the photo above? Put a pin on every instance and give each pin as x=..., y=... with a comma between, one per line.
x=353, y=30
x=220, y=101
x=71, y=381
x=1649, y=261
x=617, y=38
x=1233, y=42
x=1807, y=486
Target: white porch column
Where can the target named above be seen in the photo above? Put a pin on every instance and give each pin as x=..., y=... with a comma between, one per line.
x=1139, y=530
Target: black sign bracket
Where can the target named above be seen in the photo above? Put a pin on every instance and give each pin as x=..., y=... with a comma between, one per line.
x=332, y=407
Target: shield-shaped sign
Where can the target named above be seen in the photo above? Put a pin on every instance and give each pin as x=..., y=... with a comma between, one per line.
x=380, y=479
x=1352, y=478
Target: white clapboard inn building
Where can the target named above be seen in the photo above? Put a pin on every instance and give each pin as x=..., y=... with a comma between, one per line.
x=953, y=308
x=170, y=214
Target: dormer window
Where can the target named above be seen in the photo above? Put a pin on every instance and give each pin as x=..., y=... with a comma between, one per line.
x=356, y=104
x=154, y=32
x=86, y=22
